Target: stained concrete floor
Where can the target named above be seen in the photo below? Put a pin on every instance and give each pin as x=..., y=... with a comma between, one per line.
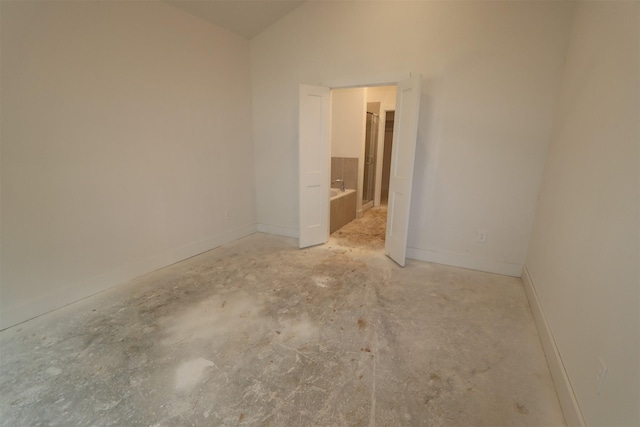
x=259, y=332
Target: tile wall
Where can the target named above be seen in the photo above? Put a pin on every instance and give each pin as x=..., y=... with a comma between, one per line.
x=345, y=168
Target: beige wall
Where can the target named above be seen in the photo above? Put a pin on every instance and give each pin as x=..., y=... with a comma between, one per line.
x=126, y=146
x=584, y=254
x=491, y=76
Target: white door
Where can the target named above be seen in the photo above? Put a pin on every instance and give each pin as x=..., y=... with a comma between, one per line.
x=405, y=133
x=314, y=162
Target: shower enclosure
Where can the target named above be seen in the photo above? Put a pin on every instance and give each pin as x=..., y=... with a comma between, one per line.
x=370, y=151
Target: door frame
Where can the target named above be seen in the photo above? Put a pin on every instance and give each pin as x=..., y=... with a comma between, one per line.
x=392, y=80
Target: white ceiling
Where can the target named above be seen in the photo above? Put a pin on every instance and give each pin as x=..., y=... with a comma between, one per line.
x=246, y=18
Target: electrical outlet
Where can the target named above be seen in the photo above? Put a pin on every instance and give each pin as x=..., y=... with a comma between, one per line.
x=601, y=374
x=481, y=235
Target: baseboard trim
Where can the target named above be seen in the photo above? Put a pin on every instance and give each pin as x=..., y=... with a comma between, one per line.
x=568, y=402
x=89, y=286
x=278, y=230
x=465, y=261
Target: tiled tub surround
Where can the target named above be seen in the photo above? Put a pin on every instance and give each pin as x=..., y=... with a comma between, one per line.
x=343, y=204
x=346, y=169
x=343, y=208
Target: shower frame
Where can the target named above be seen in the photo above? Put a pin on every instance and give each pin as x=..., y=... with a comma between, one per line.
x=370, y=161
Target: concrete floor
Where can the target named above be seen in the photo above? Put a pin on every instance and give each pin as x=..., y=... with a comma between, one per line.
x=259, y=332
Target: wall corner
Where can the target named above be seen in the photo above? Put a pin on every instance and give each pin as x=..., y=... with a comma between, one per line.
x=568, y=402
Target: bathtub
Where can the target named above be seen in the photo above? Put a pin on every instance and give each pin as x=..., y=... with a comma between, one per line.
x=342, y=208
x=336, y=193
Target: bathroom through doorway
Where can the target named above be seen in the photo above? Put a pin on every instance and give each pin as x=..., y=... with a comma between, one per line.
x=361, y=139
x=317, y=150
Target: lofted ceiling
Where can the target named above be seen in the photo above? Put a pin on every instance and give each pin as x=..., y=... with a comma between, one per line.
x=246, y=18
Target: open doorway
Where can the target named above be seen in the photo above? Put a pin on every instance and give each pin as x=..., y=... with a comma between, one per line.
x=315, y=153
x=361, y=134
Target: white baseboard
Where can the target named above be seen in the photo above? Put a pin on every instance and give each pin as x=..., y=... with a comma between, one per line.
x=86, y=287
x=465, y=261
x=279, y=230
x=570, y=408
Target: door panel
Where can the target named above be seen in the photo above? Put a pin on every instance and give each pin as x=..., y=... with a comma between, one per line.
x=314, y=164
x=402, y=161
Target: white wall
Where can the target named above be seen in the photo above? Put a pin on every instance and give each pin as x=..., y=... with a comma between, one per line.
x=584, y=254
x=126, y=146
x=348, y=126
x=491, y=73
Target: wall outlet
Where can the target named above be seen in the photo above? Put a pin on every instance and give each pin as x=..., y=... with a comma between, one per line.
x=481, y=235
x=601, y=374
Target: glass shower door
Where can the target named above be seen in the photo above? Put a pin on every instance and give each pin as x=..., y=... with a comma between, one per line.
x=371, y=142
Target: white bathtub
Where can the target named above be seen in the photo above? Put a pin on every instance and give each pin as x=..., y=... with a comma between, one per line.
x=336, y=193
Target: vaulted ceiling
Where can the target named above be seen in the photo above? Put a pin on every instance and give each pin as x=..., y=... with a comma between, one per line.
x=247, y=18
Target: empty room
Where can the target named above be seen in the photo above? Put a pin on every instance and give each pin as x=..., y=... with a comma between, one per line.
x=171, y=174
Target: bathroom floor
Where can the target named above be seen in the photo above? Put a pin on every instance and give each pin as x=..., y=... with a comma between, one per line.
x=259, y=332
x=368, y=231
